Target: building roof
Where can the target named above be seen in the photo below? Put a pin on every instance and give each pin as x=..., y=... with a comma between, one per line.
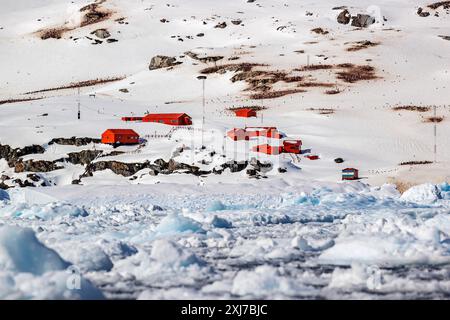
x=122, y=131
x=247, y=110
x=162, y=116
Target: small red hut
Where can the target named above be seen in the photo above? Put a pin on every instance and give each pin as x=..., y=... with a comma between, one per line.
x=120, y=136
x=292, y=146
x=245, y=113
x=174, y=119
x=350, y=174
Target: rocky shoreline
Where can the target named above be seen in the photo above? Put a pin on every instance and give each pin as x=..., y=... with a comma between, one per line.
x=35, y=168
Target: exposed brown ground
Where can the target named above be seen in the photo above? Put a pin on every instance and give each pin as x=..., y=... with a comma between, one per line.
x=256, y=108
x=437, y=5
x=274, y=94
x=357, y=73
x=92, y=14
x=360, y=45
x=414, y=163
x=322, y=110
x=261, y=82
x=333, y=91
x=412, y=108
x=434, y=119
x=81, y=84
x=314, y=67
x=18, y=100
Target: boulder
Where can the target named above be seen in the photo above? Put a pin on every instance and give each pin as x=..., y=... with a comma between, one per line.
x=344, y=17
x=221, y=25
x=422, y=13
x=101, y=33
x=159, y=62
x=362, y=20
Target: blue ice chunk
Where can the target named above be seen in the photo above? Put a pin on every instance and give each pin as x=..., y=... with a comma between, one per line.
x=173, y=224
x=221, y=223
x=216, y=206
x=4, y=196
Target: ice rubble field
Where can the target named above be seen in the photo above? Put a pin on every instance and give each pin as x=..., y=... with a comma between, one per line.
x=345, y=240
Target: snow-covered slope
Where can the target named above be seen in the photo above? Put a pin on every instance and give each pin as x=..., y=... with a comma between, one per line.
x=365, y=95
x=362, y=128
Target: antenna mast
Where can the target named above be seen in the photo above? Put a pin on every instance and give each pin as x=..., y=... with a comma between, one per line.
x=79, y=105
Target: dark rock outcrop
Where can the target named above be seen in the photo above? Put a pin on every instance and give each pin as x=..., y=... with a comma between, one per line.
x=74, y=141
x=129, y=169
x=83, y=157
x=344, y=17
x=362, y=20
x=422, y=13
x=207, y=59
x=13, y=155
x=159, y=62
x=3, y=186
x=35, y=166
x=221, y=25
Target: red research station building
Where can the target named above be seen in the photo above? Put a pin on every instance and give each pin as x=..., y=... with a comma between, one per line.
x=245, y=113
x=120, y=136
x=174, y=119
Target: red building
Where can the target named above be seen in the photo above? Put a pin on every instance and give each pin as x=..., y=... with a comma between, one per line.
x=292, y=146
x=132, y=118
x=238, y=134
x=245, y=113
x=174, y=119
x=120, y=136
x=268, y=149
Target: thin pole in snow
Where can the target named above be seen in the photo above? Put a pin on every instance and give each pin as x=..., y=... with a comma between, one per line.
x=203, y=78
x=79, y=105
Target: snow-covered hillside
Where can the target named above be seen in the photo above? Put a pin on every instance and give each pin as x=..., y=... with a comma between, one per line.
x=234, y=220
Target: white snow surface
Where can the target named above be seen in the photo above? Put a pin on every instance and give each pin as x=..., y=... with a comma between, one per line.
x=276, y=241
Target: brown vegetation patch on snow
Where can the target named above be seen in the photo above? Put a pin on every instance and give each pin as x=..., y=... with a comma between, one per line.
x=322, y=110
x=411, y=108
x=320, y=31
x=91, y=14
x=255, y=108
x=274, y=94
x=241, y=67
x=333, y=91
x=356, y=73
x=360, y=45
x=18, y=100
x=434, y=119
x=415, y=163
x=315, y=67
x=81, y=84
x=437, y=5
x=312, y=84
x=94, y=13
x=53, y=33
